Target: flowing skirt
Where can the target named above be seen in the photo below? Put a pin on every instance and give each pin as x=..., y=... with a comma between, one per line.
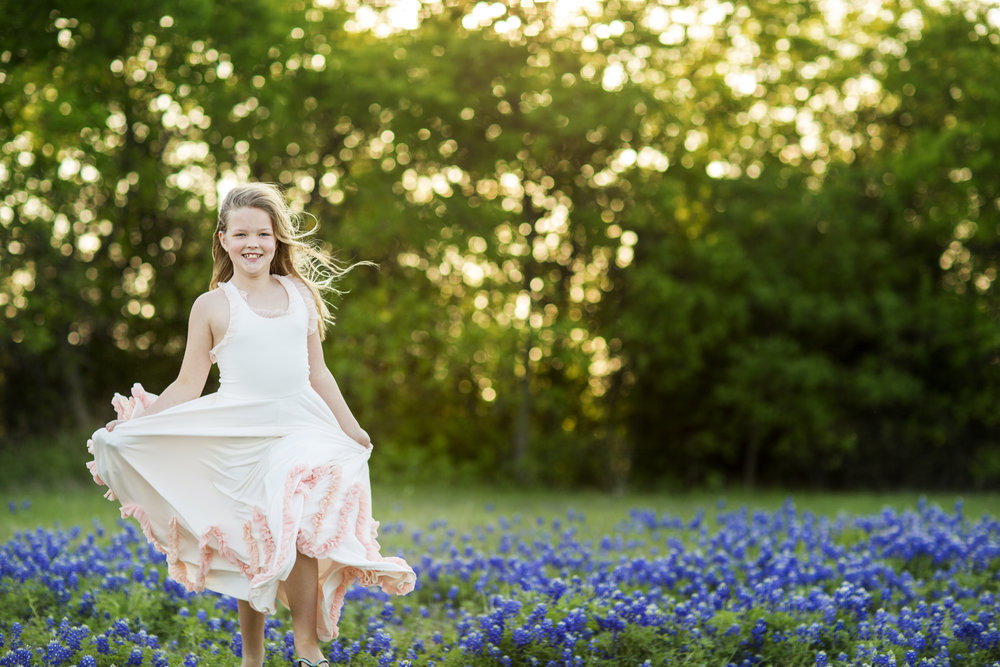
x=230, y=489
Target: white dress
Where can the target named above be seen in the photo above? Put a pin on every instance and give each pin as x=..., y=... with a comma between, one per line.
x=231, y=485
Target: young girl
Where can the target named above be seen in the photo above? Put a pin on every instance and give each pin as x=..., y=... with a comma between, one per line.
x=259, y=491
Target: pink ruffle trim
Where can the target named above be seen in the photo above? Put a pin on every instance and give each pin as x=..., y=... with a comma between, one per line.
x=132, y=407
x=265, y=566
x=135, y=405
x=300, y=484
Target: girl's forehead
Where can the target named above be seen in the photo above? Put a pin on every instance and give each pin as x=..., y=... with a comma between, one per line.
x=249, y=218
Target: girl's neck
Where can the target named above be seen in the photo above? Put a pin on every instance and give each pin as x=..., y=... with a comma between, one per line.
x=251, y=284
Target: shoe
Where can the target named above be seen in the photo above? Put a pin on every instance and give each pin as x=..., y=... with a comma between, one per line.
x=308, y=663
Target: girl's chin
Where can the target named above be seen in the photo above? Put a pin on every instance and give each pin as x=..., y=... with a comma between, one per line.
x=253, y=268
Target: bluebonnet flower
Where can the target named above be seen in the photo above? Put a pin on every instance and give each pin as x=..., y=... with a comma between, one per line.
x=521, y=637
x=57, y=654
x=120, y=628
x=135, y=657
x=565, y=593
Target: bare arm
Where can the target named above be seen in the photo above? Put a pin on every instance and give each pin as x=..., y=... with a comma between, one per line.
x=323, y=382
x=196, y=363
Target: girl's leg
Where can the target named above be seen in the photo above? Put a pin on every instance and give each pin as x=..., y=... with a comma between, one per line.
x=252, y=632
x=302, y=589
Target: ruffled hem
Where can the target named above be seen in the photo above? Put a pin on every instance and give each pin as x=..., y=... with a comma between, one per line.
x=126, y=409
x=267, y=567
x=266, y=560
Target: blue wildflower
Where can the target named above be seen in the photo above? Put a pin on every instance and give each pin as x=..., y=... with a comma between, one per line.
x=135, y=657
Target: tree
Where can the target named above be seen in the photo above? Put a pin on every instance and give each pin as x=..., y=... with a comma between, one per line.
x=619, y=242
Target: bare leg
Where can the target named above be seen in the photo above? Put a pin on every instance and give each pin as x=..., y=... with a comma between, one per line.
x=252, y=632
x=302, y=589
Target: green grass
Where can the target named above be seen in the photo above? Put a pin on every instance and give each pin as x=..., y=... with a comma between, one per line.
x=60, y=492
x=78, y=503
x=466, y=509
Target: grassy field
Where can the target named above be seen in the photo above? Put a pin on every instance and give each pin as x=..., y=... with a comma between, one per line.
x=79, y=503
x=61, y=493
x=545, y=577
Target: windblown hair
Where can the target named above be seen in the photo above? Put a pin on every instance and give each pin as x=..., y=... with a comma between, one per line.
x=296, y=255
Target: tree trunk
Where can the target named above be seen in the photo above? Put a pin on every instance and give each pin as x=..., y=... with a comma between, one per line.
x=74, y=385
x=619, y=447
x=750, y=462
x=522, y=425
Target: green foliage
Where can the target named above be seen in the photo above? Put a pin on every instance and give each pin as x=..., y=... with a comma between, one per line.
x=48, y=461
x=760, y=250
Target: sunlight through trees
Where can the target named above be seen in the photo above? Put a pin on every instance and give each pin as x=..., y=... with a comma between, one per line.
x=625, y=241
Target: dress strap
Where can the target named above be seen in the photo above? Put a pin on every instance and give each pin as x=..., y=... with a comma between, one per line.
x=232, y=297
x=307, y=300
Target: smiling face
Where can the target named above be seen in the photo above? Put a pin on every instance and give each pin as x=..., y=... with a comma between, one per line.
x=249, y=241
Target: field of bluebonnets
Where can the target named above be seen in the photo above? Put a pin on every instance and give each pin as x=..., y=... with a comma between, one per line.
x=726, y=585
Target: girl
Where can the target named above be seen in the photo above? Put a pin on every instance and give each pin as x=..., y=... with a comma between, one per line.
x=259, y=491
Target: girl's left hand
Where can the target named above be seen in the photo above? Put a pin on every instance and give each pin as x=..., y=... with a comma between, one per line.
x=360, y=436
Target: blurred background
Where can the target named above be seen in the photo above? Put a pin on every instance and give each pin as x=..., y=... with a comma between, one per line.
x=622, y=244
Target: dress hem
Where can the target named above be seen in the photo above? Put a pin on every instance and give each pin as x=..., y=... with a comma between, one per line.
x=264, y=561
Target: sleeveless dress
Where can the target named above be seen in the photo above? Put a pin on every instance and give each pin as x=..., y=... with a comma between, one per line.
x=230, y=485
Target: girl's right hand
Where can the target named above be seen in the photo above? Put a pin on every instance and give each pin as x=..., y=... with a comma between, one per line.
x=360, y=436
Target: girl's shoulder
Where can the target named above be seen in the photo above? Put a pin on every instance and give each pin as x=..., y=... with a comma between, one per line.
x=212, y=308
x=211, y=302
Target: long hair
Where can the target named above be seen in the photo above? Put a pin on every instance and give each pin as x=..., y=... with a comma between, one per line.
x=296, y=255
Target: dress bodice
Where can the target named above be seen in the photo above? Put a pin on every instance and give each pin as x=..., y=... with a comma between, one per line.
x=263, y=356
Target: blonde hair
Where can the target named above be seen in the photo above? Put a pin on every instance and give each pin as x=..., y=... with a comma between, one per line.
x=295, y=256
